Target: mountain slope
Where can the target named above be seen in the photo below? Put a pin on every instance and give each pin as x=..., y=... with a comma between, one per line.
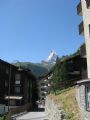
x=37, y=68
x=41, y=68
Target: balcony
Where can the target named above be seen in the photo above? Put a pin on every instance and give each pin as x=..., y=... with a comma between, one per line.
x=45, y=86
x=81, y=28
x=79, y=9
x=74, y=73
x=88, y=3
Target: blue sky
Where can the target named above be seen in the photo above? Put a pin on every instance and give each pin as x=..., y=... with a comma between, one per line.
x=30, y=29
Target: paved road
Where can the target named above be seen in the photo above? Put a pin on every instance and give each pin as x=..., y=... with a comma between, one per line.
x=33, y=116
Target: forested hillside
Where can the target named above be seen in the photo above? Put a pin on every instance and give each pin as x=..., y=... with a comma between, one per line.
x=38, y=69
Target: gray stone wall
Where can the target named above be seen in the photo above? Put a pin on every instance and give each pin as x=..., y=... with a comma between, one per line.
x=81, y=98
x=54, y=111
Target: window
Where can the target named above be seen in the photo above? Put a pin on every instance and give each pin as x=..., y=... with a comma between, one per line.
x=17, y=89
x=89, y=29
x=88, y=3
x=42, y=84
x=88, y=98
x=43, y=94
x=17, y=79
x=7, y=71
x=12, y=103
x=6, y=83
x=17, y=82
x=42, y=89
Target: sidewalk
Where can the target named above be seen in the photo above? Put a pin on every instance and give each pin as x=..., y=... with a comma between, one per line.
x=33, y=116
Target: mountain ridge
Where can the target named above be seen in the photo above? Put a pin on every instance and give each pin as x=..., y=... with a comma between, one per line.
x=38, y=69
x=52, y=58
x=42, y=68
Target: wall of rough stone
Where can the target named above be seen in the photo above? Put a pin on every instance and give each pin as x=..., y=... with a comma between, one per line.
x=81, y=99
x=54, y=111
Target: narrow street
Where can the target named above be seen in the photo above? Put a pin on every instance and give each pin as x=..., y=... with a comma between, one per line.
x=33, y=116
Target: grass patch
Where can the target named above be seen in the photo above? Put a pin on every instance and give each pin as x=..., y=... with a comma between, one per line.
x=1, y=118
x=66, y=99
x=58, y=91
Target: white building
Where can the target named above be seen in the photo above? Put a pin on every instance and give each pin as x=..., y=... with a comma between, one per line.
x=83, y=9
x=44, y=86
x=83, y=86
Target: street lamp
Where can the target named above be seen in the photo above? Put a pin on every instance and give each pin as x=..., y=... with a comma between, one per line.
x=10, y=76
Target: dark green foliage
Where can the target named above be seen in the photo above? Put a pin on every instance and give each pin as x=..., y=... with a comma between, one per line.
x=60, y=73
x=63, y=74
x=37, y=69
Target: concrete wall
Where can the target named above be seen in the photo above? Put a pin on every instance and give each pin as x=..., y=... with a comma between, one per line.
x=86, y=21
x=54, y=111
x=81, y=87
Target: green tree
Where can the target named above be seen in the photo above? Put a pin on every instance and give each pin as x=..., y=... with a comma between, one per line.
x=60, y=73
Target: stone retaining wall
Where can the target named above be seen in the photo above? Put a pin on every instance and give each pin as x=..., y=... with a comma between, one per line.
x=82, y=97
x=54, y=111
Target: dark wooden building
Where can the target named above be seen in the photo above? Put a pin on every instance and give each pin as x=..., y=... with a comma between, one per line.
x=18, y=86
x=76, y=65
x=72, y=66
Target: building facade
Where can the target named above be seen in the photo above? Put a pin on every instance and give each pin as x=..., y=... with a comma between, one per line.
x=83, y=86
x=17, y=86
x=44, y=85
x=83, y=9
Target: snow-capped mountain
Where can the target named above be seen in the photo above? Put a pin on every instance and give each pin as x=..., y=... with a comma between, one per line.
x=52, y=58
x=40, y=69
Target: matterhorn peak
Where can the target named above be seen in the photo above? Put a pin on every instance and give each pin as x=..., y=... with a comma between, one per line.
x=52, y=58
